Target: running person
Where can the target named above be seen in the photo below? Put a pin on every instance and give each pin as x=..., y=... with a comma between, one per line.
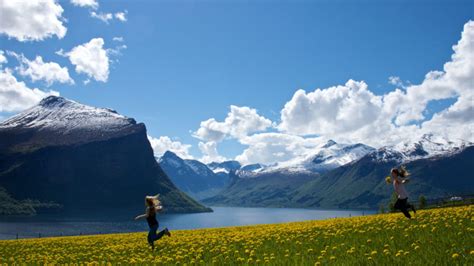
x=399, y=177
x=153, y=206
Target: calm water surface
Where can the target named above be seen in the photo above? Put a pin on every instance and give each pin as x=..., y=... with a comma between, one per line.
x=56, y=225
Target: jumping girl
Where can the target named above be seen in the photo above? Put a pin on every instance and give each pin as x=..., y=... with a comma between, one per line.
x=153, y=206
x=399, y=177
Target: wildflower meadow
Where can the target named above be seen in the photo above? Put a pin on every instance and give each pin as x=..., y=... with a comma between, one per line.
x=437, y=236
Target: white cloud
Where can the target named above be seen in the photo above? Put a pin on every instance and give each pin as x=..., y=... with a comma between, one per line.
x=121, y=16
x=210, y=153
x=162, y=144
x=31, y=20
x=117, y=39
x=36, y=69
x=90, y=58
x=334, y=110
x=117, y=50
x=271, y=147
x=16, y=96
x=86, y=3
x=396, y=81
x=3, y=59
x=355, y=114
x=240, y=122
x=105, y=17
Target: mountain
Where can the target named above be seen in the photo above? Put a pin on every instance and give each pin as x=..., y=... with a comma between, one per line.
x=252, y=167
x=258, y=185
x=192, y=176
x=361, y=184
x=352, y=176
x=428, y=145
x=268, y=189
x=226, y=166
x=83, y=158
x=327, y=156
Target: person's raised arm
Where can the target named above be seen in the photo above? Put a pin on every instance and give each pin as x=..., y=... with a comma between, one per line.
x=142, y=215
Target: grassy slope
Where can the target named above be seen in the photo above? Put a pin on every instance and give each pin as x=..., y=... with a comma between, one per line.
x=438, y=236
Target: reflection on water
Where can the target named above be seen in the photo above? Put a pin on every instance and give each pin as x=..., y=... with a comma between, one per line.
x=56, y=225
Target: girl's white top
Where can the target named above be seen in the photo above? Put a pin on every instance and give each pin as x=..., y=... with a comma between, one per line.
x=400, y=189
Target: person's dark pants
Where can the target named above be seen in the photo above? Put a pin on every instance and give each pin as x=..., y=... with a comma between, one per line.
x=403, y=205
x=153, y=236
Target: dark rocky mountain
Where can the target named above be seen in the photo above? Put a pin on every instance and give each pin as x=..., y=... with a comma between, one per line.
x=192, y=176
x=83, y=158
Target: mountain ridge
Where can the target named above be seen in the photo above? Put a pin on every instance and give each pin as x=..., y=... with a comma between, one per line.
x=84, y=158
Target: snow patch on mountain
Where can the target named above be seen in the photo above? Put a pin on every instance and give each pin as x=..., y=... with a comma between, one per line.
x=327, y=156
x=428, y=145
x=58, y=113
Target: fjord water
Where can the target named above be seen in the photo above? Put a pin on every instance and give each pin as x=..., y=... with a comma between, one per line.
x=57, y=225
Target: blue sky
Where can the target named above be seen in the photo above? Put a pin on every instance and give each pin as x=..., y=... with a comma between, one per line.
x=188, y=61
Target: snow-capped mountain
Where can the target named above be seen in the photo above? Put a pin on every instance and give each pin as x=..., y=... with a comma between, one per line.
x=67, y=115
x=84, y=158
x=327, y=156
x=192, y=176
x=428, y=145
x=184, y=166
x=224, y=167
x=253, y=167
x=70, y=121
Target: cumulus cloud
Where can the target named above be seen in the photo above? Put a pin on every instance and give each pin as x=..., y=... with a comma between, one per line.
x=210, y=153
x=454, y=81
x=90, y=58
x=333, y=110
x=86, y=3
x=162, y=144
x=16, y=96
x=271, y=147
x=31, y=20
x=240, y=122
x=352, y=112
x=37, y=69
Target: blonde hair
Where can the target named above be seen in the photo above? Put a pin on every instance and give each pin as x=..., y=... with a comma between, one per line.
x=152, y=201
x=401, y=172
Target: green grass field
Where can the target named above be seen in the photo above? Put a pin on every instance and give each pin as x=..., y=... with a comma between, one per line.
x=435, y=237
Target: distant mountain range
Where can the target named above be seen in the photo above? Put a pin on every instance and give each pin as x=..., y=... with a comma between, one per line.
x=352, y=176
x=335, y=176
x=83, y=158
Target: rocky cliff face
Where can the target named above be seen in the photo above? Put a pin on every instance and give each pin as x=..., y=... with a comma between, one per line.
x=84, y=158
